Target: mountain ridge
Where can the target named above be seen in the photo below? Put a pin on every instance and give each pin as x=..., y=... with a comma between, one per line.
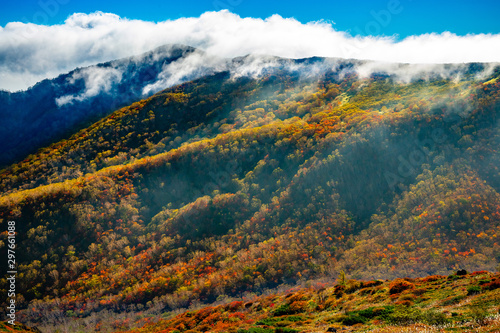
x=55, y=108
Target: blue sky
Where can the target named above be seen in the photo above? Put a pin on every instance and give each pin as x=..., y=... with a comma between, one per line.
x=409, y=17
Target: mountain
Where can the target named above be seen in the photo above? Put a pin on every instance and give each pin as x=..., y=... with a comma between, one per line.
x=54, y=109
x=272, y=173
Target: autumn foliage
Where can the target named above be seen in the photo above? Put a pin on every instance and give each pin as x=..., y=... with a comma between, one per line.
x=226, y=186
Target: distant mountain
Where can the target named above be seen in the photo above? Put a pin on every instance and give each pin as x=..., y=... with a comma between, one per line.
x=268, y=173
x=55, y=109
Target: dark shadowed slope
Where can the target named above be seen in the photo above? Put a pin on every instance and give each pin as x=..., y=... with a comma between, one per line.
x=56, y=108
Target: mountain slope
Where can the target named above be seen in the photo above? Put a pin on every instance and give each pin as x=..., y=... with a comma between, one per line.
x=229, y=184
x=460, y=302
x=56, y=108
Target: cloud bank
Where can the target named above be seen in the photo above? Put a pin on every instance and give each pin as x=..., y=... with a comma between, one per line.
x=96, y=80
x=30, y=52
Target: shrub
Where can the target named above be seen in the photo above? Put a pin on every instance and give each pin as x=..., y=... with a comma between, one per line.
x=285, y=330
x=267, y=321
x=339, y=290
x=234, y=306
x=405, y=316
x=473, y=290
x=257, y=330
x=298, y=306
x=371, y=313
x=495, y=284
x=275, y=321
x=283, y=310
x=383, y=312
x=433, y=278
x=400, y=285
x=404, y=302
x=407, y=297
x=283, y=323
x=367, y=291
x=432, y=317
x=288, y=309
x=419, y=292
x=351, y=286
x=373, y=283
x=453, y=300
x=363, y=316
x=353, y=319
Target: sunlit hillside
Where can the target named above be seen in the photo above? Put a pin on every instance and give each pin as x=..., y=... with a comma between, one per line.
x=230, y=185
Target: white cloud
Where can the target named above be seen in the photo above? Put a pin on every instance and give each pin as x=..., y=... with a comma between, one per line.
x=29, y=52
x=97, y=79
x=187, y=68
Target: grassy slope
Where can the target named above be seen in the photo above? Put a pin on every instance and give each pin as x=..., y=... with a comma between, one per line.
x=431, y=304
x=455, y=303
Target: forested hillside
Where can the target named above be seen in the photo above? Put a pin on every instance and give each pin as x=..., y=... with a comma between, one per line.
x=234, y=184
x=54, y=109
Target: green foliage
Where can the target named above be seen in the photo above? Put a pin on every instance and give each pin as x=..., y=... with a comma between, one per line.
x=268, y=330
x=342, y=278
x=282, y=321
x=363, y=316
x=473, y=290
x=453, y=300
x=353, y=319
x=286, y=330
x=268, y=321
x=257, y=330
x=377, y=312
x=283, y=310
x=405, y=316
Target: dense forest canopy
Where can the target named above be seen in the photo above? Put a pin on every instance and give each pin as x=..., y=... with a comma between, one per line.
x=236, y=183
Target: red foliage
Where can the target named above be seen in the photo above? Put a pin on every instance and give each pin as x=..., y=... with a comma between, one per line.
x=400, y=285
x=234, y=306
x=368, y=284
x=433, y=278
x=495, y=284
x=405, y=302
